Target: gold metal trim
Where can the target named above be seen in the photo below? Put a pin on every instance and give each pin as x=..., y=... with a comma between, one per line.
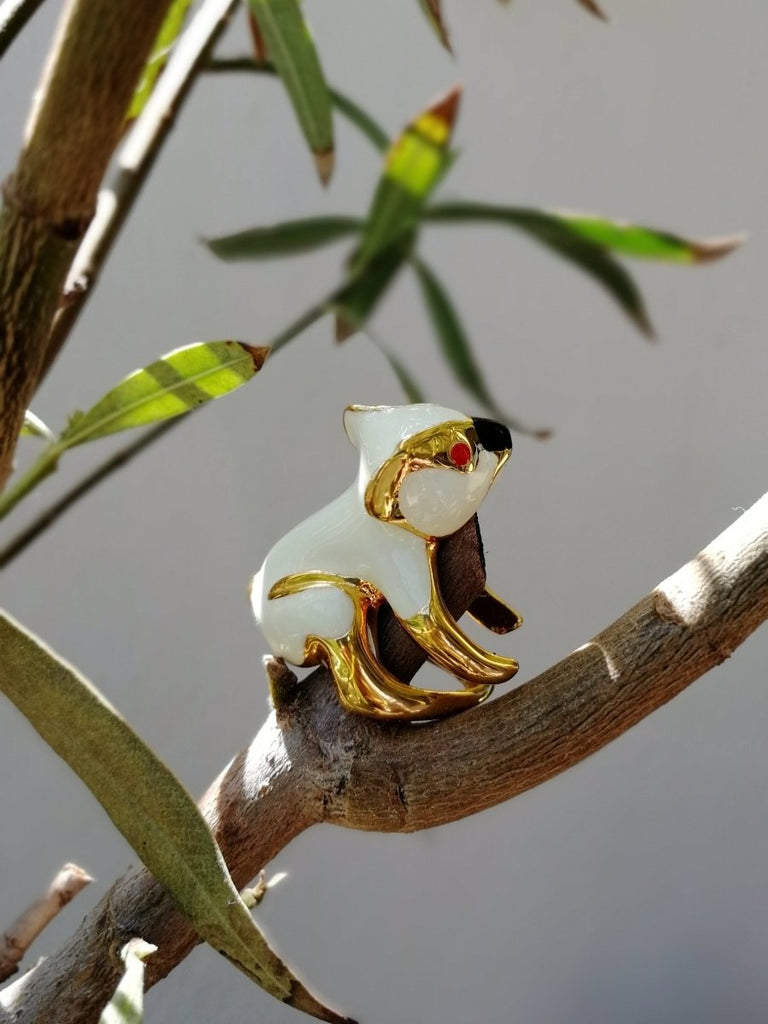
x=364, y=685
x=427, y=449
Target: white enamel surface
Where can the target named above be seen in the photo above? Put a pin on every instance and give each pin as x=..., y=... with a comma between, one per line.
x=345, y=540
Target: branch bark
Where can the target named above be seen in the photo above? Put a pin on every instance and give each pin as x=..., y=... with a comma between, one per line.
x=312, y=762
x=95, y=63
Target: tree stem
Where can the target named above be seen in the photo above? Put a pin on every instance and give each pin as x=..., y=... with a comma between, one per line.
x=351, y=771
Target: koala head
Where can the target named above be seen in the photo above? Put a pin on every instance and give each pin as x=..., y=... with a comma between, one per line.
x=424, y=467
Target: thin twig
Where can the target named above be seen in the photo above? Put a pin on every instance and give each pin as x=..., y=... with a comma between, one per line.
x=134, y=164
x=14, y=15
x=313, y=762
x=17, y=939
x=48, y=517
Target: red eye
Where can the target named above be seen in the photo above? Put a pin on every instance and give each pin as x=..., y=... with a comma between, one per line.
x=460, y=454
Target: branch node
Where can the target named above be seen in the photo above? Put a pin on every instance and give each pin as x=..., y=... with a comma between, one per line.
x=283, y=684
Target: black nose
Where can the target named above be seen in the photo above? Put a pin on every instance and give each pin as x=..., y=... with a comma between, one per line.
x=493, y=436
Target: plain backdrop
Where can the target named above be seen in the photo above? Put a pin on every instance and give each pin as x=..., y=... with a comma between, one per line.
x=632, y=888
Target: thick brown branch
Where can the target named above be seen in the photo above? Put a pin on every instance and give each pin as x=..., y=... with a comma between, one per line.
x=312, y=762
x=100, y=50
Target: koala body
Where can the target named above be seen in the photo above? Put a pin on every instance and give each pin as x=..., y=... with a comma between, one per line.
x=424, y=470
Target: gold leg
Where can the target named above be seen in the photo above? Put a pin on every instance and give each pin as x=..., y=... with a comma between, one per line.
x=438, y=633
x=366, y=687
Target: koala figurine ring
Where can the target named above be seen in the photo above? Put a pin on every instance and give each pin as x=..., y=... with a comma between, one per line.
x=424, y=470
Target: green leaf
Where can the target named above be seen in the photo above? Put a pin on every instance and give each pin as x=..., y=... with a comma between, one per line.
x=166, y=37
x=645, y=243
x=287, y=239
x=457, y=349
x=560, y=238
x=180, y=381
x=356, y=300
x=293, y=53
x=127, y=1004
x=413, y=166
x=433, y=13
x=360, y=119
x=147, y=804
x=34, y=427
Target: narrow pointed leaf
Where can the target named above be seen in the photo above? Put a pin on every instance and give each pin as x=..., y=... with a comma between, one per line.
x=356, y=301
x=180, y=381
x=34, y=427
x=413, y=166
x=161, y=51
x=292, y=51
x=127, y=1004
x=558, y=236
x=361, y=119
x=645, y=243
x=147, y=804
x=290, y=238
x=433, y=13
x=456, y=347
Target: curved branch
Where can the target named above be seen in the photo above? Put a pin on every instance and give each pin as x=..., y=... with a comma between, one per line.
x=312, y=762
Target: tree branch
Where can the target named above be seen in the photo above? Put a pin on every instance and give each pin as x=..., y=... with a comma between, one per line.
x=137, y=159
x=97, y=57
x=312, y=762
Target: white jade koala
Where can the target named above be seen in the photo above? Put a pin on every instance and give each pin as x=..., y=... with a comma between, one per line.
x=424, y=470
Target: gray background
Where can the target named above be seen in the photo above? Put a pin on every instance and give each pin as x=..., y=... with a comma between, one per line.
x=633, y=888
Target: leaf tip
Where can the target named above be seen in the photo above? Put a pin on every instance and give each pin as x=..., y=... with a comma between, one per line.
x=324, y=163
x=258, y=354
x=594, y=8
x=446, y=106
x=344, y=327
x=710, y=249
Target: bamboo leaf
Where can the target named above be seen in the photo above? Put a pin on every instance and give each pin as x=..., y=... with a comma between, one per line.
x=180, y=381
x=433, y=13
x=361, y=119
x=166, y=37
x=34, y=427
x=645, y=243
x=147, y=804
x=287, y=239
x=456, y=347
x=355, y=301
x=413, y=166
x=551, y=231
x=293, y=54
x=127, y=1004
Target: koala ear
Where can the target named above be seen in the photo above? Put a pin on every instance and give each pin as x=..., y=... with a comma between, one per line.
x=354, y=417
